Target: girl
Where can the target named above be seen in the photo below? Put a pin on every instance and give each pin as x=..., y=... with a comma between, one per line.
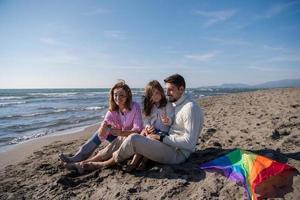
x=122, y=118
x=158, y=117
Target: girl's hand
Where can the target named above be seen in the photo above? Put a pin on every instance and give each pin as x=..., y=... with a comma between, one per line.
x=151, y=130
x=165, y=119
x=144, y=132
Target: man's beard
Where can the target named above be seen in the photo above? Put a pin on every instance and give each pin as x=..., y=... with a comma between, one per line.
x=171, y=99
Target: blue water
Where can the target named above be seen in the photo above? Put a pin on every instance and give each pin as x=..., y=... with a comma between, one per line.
x=30, y=113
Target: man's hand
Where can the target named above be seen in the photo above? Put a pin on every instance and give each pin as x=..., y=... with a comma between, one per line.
x=153, y=137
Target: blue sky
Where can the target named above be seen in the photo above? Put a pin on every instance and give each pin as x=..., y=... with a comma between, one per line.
x=78, y=44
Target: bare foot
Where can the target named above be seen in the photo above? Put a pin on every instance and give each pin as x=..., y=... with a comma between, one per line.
x=142, y=165
x=130, y=168
x=76, y=167
x=64, y=158
x=92, y=166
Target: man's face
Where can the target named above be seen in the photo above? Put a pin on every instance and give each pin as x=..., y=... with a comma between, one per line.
x=173, y=92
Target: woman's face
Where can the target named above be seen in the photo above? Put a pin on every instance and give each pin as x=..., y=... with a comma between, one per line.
x=156, y=96
x=120, y=97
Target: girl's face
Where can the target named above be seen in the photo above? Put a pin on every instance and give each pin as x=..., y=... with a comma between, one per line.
x=156, y=96
x=120, y=97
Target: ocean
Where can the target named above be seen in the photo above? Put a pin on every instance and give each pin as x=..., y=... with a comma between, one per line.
x=31, y=113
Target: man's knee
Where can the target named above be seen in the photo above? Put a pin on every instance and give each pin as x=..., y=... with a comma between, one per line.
x=132, y=138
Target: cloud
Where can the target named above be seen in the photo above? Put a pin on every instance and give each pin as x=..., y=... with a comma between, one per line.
x=277, y=9
x=115, y=34
x=229, y=41
x=202, y=57
x=214, y=17
x=273, y=48
x=59, y=58
x=51, y=41
x=264, y=68
x=286, y=58
x=98, y=11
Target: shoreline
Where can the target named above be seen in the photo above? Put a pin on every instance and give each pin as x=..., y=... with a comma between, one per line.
x=20, y=151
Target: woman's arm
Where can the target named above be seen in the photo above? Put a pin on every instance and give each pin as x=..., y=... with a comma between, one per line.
x=118, y=132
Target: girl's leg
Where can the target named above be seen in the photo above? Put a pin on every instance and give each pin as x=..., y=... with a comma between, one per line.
x=143, y=164
x=134, y=163
x=136, y=160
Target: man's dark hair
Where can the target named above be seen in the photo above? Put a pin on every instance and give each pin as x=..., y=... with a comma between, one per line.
x=176, y=79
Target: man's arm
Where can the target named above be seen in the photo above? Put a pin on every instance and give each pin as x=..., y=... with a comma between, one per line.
x=193, y=122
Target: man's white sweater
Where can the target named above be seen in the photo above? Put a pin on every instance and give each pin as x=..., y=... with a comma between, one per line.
x=187, y=125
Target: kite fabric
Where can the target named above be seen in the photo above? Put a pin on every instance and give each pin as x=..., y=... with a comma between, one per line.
x=251, y=170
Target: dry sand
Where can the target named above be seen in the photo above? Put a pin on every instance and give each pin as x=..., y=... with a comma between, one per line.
x=265, y=122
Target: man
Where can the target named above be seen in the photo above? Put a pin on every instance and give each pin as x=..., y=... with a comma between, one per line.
x=183, y=134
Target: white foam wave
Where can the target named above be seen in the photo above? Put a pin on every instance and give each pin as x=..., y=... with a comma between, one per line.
x=94, y=108
x=54, y=94
x=11, y=98
x=12, y=103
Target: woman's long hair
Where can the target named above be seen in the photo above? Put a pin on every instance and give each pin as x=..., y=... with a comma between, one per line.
x=112, y=104
x=147, y=102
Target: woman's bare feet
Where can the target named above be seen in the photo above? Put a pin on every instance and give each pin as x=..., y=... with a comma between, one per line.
x=75, y=167
x=83, y=167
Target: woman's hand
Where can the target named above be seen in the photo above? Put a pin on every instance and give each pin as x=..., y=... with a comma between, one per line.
x=102, y=129
x=116, y=132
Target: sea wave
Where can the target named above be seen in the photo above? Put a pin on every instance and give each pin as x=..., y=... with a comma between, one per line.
x=12, y=103
x=12, y=97
x=54, y=94
x=28, y=137
x=29, y=115
x=94, y=108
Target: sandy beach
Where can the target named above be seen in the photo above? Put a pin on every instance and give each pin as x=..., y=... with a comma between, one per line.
x=266, y=122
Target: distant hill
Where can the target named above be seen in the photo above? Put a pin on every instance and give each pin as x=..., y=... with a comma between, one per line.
x=234, y=85
x=280, y=83
x=270, y=84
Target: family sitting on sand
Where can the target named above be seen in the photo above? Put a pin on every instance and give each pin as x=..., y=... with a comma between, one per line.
x=169, y=135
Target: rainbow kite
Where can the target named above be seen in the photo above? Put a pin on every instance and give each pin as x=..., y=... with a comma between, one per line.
x=251, y=170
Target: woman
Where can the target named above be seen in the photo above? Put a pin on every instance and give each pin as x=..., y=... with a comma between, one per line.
x=122, y=118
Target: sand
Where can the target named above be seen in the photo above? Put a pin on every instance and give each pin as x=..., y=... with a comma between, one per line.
x=266, y=122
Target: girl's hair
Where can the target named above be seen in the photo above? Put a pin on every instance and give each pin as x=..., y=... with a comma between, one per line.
x=112, y=104
x=148, y=104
